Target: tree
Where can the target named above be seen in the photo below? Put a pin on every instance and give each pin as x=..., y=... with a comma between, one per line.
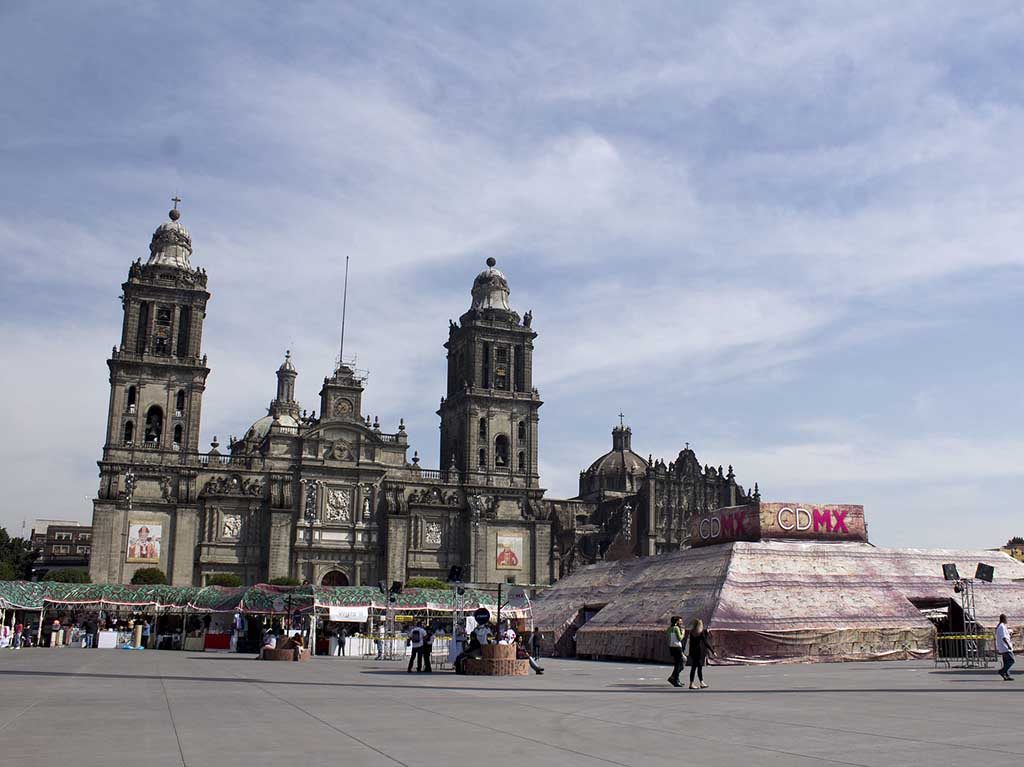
x=284, y=580
x=68, y=575
x=1015, y=541
x=419, y=582
x=224, y=579
x=16, y=557
x=149, y=576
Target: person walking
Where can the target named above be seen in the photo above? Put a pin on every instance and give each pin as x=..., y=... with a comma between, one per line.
x=379, y=641
x=427, y=649
x=535, y=642
x=416, y=635
x=675, y=649
x=1004, y=646
x=18, y=629
x=699, y=650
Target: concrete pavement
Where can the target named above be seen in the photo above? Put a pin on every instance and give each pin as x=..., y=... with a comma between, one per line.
x=113, y=707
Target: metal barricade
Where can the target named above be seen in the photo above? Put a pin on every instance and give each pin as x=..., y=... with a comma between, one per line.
x=965, y=650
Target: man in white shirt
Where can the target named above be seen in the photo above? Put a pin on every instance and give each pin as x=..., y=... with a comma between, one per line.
x=1004, y=646
x=416, y=636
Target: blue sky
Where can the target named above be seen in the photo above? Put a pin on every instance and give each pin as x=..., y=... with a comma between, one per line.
x=788, y=234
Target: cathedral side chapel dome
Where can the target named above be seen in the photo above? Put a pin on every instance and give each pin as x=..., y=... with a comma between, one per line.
x=261, y=428
x=490, y=289
x=619, y=457
x=171, y=244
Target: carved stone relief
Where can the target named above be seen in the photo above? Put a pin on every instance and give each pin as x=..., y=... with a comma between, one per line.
x=338, y=505
x=432, y=533
x=231, y=526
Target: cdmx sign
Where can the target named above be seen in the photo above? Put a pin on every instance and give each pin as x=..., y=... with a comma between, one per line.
x=764, y=521
x=799, y=518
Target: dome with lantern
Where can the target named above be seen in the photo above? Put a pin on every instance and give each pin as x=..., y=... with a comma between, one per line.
x=171, y=244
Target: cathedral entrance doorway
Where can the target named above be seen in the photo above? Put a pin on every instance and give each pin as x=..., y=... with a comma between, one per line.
x=334, y=578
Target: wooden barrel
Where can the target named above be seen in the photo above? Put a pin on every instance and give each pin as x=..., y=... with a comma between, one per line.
x=499, y=652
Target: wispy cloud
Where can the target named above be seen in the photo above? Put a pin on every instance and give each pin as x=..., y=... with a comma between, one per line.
x=712, y=212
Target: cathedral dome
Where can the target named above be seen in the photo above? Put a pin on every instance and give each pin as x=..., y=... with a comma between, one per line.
x=171, y=244
x=261, y=428
x=618, y=470
x=616, y=461
x=490, y=289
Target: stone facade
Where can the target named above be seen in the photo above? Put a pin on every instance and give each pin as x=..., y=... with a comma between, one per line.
x=327, y=499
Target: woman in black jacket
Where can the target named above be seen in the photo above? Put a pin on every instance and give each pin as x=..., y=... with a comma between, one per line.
x=697, y=654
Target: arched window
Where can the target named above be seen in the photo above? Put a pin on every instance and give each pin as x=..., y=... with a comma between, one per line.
x=521, y=433
x=184, y=325
x=178, y=432
x=482, y=459
x=129, y=433
x=179, y=402
x=483, y=428
x=522, y=461
x=154, y=424
x=131, y=399
x=501, y=450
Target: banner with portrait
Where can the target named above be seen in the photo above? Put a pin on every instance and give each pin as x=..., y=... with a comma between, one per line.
x=509, y=552
x=144, y=542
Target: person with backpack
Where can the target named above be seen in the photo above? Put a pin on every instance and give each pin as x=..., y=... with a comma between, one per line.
x=416, y=636
x=676, y=636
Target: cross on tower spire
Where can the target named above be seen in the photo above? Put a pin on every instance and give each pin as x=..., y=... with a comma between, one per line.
x=175, y=200
x=621, y=421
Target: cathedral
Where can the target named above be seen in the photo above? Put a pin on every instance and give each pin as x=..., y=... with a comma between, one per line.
x=334, y=500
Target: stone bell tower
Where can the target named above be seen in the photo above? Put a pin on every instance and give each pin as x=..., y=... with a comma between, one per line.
x=158, y=373
x=157, y=379
x=489, y=416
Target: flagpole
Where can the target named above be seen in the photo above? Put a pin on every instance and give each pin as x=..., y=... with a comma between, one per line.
x=344, y=306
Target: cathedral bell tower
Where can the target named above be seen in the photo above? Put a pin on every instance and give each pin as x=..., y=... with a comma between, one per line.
x=489, y=416
x=157, y=373
x=150, y=466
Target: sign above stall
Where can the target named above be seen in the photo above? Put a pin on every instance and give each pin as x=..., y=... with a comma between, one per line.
x=772, y=521
x=348, y=614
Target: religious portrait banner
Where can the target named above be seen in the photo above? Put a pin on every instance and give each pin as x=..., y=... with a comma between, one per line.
x=144, y=542
x=509, y=552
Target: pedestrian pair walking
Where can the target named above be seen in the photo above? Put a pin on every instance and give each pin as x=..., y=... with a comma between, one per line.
x=696, y=653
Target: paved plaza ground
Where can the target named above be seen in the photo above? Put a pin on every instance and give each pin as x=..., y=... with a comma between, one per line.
x=114, y=707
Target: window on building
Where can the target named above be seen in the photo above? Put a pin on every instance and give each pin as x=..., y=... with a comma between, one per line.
x=179, y=402
x=522, y=461
x=501, y=372
x=483, y=428
x=154, y=424
x=62, y=536
x=521, y=431
x=85, y=536
x=82, y=549
x=501, y=450
x=519, y=366
x=485, y=366
x=61, y=550
x=129, y=432
x=162, y=330
x=482, y=459
x=131, y=399
x=178, y=433
x=184, y=327
x=142, y=337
